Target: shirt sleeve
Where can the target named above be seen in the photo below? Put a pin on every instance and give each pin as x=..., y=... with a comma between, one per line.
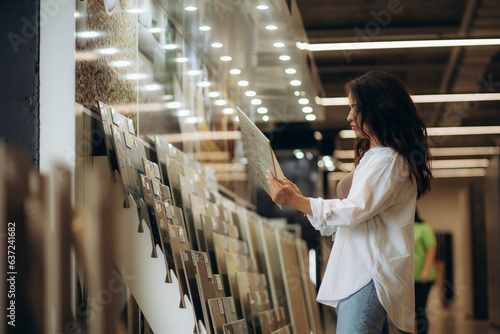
x=429, y=237
x=374, y=189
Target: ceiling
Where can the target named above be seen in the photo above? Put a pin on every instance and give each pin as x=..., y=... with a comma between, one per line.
x=438, y=70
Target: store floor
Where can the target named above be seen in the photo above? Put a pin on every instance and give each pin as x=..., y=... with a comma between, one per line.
x=451, y=322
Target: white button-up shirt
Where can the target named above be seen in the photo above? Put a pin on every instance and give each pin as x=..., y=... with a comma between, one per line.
x=374, y=236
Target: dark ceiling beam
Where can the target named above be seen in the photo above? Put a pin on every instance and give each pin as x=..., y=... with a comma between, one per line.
x=469, y=11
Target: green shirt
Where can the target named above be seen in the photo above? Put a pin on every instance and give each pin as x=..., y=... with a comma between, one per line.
x=424, y=238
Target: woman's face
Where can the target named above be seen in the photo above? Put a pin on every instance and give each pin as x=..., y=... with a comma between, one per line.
x=354, y=119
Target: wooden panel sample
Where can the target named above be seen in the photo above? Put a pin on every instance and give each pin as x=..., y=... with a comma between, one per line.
x=309, y=288
x=273, y=269
x=258, y=302
x=147, y=192
x=218, y=286
x=165, y=149
x=280, y=316
x=288, y=329
x=198, y=209
x=111, y=116
x=230, y=309
x=290, y=267
x=177, y=242
x=221, y=247
x=186, y=189
x=190, y=260
x=206, y=289
x=151, y=169
x=211, y=225
x=174, y=169
x=241, y=290
x=217, y=314
x=236, y=327
x=265, y=322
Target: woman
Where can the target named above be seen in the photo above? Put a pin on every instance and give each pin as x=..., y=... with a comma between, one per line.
x=369, y=276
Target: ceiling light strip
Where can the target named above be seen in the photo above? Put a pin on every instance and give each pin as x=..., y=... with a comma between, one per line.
x=437, y=151
x=431, y=98
x=445, y=131
x=436, y=173
x=398, y=44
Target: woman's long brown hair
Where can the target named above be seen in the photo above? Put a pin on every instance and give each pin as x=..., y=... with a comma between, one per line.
x=384, y=104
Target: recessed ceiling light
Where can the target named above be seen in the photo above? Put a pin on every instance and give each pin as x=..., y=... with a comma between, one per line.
x=307, y=110
x=170, y=46
x=311, y=117
x=155, y=30
x=285, y=57
x=88, y=34
x=193, y=120
x=271, y=27
x=193, y=72
x=303, y=101
x=216, y=45
x=205, y=28
x=256, y=102
x=183, y=113
x=220, y=102
x=265, y=118
x=262, y=110
x=204, y=84
x=243, y=83
x=153, y=87
x=213, y=94
x=134, y=10
x=136, y=76
x=108, y=51
x=295, y=83
x=290, y=71
x=225, y=58
x=120, y=63
x=262, y=7
x=228, y=111
x=299, y=155
x=182, y=60
x=279, y=45
x=296, y=93
x=190, y=8
x=234, y=71
x=173, y=105
x=250, y=93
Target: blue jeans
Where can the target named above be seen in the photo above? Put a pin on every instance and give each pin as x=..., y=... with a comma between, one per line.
x=362, y=313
